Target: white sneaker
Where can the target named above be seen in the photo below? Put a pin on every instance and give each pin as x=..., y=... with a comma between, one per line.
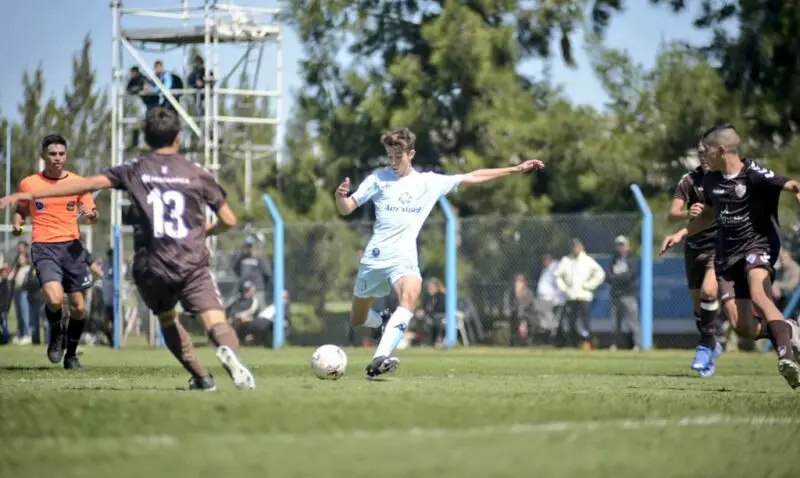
x=790, y=370
x=240, y=374
x=26, y=340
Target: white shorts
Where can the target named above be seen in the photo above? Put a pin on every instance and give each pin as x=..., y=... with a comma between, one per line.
x=376, y=281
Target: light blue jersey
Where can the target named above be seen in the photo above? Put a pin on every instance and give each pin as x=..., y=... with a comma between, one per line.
x=402, y=204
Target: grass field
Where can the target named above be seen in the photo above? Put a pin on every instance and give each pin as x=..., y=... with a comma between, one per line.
x=477, y=412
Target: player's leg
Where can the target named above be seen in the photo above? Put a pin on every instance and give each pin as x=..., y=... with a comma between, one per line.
x=76, y=280
x=200, y=296
x=783, y=331
x=408, y=286
x=708, y=349
x=370, y=283
x=46, y=259
x=161, y=298
x=179, y=343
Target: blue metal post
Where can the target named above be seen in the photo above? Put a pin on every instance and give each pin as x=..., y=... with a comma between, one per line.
x=450, y=275
x=646, y=270
x=117, y=268
x=8, y=181
x=278, y=327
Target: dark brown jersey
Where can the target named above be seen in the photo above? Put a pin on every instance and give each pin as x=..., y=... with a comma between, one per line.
x=746, y=208
x=169, y=196
x=690, y=190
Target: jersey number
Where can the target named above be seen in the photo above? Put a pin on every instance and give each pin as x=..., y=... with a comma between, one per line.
x=171, y=226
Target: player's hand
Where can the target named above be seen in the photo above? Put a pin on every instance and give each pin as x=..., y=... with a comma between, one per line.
x=529, y=165
x=11, y=201
x=670, y=241
x=344, y=189
x=696, y=209
x=17, y=231
x=89, y=213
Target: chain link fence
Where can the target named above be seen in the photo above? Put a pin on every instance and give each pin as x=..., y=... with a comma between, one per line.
x=321, y=260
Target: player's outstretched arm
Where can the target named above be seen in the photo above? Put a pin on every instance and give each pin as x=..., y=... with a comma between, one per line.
x=345, y=203
x=226, y=219
x=482, y=176
x=72, y=188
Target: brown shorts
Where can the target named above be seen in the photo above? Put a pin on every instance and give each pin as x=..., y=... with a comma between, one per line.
x=733, y=282
x=697, y=263
x=197, y=293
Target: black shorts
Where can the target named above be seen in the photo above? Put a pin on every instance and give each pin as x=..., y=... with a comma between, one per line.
x=697, y=264
x=733, y=283
x=62, y=262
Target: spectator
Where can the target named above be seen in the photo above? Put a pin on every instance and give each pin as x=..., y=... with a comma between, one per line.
x=578, y=276
x=242, y=312
x=22, y=248
x=197, y=80
x=623, y=277
x=137, y=85
x=519, y=305
x=171, y=81
x=266, y=320
x=250, y=267
x=433, y=312
x=6, y=298
x=549, y=298
x=36, y=302
x=787, y=279
x=21, y=277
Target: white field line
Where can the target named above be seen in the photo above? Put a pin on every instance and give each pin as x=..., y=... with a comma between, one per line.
x=703, y=421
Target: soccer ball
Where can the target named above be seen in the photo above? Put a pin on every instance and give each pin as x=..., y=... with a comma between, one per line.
x=329, y=362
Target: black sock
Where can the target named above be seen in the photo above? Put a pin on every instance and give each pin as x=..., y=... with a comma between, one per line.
x=782, y=332
x=706, y=323
x=74, y=332
x=53, y=316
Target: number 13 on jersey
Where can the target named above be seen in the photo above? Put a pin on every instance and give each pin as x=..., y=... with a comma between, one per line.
x=168, y=208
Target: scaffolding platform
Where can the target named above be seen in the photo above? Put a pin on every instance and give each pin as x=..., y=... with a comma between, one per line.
x=196, y=35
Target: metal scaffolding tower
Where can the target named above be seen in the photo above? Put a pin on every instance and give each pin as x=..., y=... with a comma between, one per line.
x=196, y=22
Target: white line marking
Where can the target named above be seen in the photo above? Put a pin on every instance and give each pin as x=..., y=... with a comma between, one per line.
x=702, y=421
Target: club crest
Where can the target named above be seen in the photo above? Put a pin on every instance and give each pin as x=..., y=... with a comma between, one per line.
x=740, y=190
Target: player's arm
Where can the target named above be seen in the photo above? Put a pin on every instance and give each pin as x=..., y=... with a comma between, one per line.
x=677, y=210
x=701, y=222
x=483, y=176
x=347, y=203
x=19, y=218
x=73, y=188
x=226, y=219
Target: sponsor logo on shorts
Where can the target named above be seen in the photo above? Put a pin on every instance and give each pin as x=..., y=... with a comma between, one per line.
x=376, y=252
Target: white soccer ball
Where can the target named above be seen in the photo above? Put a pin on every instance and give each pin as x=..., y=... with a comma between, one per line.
x=329, y=362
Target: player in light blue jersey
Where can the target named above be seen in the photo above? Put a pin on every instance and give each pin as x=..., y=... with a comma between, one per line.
x=403, y=200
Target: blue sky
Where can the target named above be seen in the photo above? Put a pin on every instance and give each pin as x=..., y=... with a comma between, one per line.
x=50, y=31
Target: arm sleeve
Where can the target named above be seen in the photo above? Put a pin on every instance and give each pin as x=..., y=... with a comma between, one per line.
x=87, y=200
x=366, y=190
x=765, y=178
x=447, y=183
x=682, y=189
x=23, y=188
x=118, y=175
x=213, y=194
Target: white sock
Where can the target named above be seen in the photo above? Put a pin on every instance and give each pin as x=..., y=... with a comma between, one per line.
x=394, y=332
x=373, y=320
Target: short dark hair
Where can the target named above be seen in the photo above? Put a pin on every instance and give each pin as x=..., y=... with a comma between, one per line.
x=53, y=138
x=158, y=62
x=161, y=127
x=402, y=139
x=724, y=135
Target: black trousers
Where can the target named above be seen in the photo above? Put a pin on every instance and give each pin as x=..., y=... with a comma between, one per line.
x=575, y=324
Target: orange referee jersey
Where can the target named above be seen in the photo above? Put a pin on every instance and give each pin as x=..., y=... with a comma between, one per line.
x=54, y=219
